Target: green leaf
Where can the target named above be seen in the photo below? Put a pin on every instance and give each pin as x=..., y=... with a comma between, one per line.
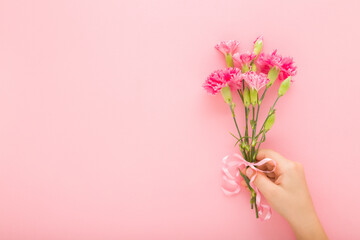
x=234, y=136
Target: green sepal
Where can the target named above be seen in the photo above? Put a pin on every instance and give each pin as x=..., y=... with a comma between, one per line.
x=226, y=93
x=229, y=60
x=245, y=68
x=253, y=96
x=253, y=67
x=284, y=86
x=272, y=76
x=245, y=146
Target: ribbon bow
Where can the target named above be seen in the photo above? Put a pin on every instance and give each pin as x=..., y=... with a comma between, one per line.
x=233, y=165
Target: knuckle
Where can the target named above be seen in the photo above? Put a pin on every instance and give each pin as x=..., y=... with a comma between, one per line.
x=291, y=165
x=266, y=152
x=296, y=166
x=269, y=151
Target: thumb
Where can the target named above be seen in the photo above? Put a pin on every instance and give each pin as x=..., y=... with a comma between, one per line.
x=263, y=183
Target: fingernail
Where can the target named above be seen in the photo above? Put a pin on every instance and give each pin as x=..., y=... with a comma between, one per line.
x=249, y=172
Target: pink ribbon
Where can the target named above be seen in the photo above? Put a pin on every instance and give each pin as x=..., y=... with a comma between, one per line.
x=232, y=177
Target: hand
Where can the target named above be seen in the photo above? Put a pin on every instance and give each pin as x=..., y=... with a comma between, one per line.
x=287, y=193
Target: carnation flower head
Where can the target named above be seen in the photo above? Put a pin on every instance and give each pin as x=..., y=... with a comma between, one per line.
x=227, y=47
x=284, y=64
x=219, y=78
x=255, y=80
x=244, y=58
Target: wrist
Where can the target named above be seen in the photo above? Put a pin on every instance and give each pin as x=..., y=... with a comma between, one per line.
x=306, y=225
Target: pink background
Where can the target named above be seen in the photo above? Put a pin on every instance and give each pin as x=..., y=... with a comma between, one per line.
x=106, y=133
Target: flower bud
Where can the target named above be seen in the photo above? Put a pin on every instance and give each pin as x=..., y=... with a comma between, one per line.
x=269, y=122
x=253, y=96
x=246, y=97
x=252, y=124
x=226, y=93
x=229, y=60
x=258, y=44
x=245, y=146
x=272, y=75
x=253, y=143
x=241, y=146
x=253, y=196
x=284, y=86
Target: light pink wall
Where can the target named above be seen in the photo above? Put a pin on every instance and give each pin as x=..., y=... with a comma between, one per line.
x=106, y=133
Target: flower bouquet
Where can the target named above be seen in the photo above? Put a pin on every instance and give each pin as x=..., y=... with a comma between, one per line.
x=250, y=75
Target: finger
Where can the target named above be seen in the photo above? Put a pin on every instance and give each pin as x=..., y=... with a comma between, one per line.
x=271, y=175
x=269, y=166
x=268, y=153
x=263, y=167
x=263, y=183
x=280, y=160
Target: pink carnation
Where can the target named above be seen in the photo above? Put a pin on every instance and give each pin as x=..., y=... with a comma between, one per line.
x=219, y=78
x=284, y=64
x=243, y=59
x=228, y=47
x=255, y=80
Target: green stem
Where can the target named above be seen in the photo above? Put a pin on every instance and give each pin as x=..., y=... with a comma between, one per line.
x=246, y=124
x=252, y=134
x=237, y=127
x=241, y=95
x=255, y=125
x=256, y=210
x=262, y=127
x=240, y=137
x=246, y=116
x=253, y=194
x=261, y=141
x=258, y=134
x=263, y=95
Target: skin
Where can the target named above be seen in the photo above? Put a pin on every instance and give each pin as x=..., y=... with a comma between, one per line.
x=287, y=193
